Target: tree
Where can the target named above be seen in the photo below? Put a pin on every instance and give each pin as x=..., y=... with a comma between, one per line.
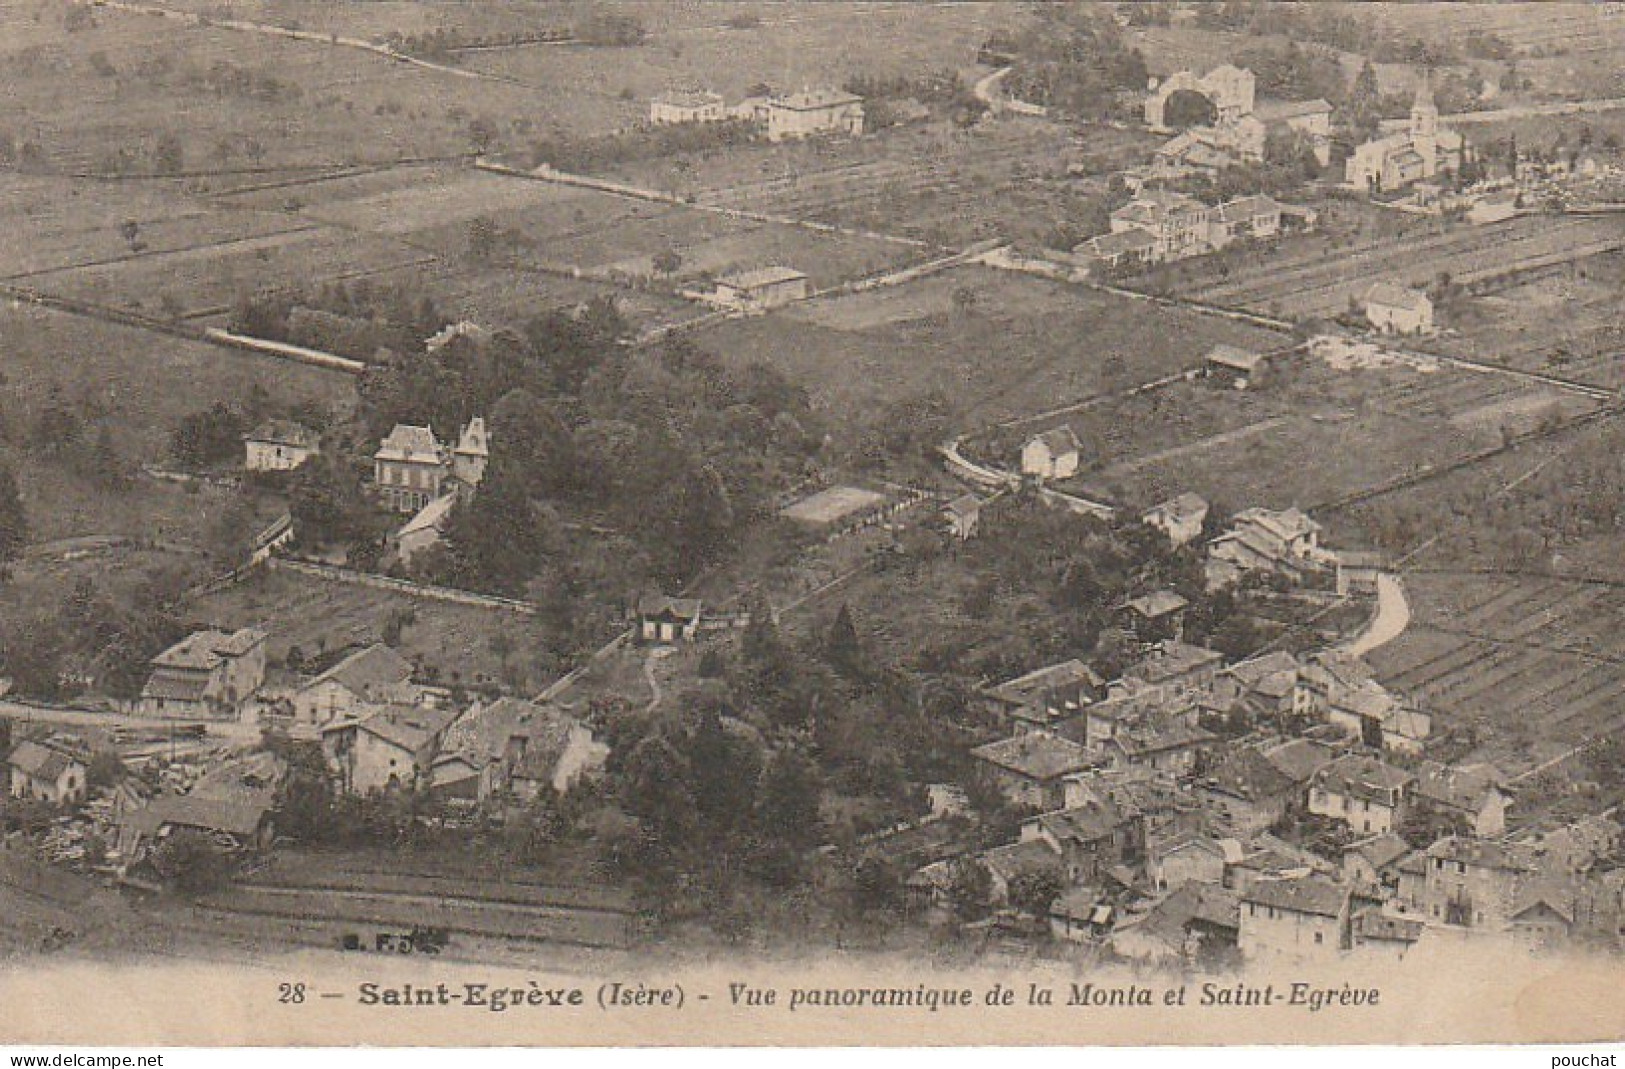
x=965, y=299
x=130, y=230
x=970, y=889
x=169, y=156
x=13, y=519
x=1034, y=890
x=1365, y=99
x=668, y=261
x=842, y=648
x=192, y=863
x=210, y=436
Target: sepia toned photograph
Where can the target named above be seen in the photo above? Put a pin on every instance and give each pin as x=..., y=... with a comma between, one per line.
x=729, y=522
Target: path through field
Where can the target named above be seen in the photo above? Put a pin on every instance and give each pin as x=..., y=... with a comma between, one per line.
x=1392, y=616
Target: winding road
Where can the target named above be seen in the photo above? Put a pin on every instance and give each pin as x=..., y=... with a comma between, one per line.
x=1393, y=615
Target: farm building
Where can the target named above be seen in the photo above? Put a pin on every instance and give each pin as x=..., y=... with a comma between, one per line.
x=384, y=748
x=514, y=748
x=279, y=445
x=47, y=773
x=1155, y=617
x=1396, y=310
x=1051, y=455
x=961, y=515
x=1302, y=918
x=207, y=675
x=1474, y=794
x=1180, y=518
x=1363, y=793
x=663, y=619
x=423, y=530
x=687, y=106
x=1030, y=767
x=1042, y=697
x=1259, y=539
x=833, y=506
x=766, y=287
x=1358, y=572
x=1230, y=366
x=239, y=826
x=813, y=112
x=372, y=675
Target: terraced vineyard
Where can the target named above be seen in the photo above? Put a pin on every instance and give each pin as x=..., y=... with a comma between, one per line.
x=1323, y=286
x=1518, y=656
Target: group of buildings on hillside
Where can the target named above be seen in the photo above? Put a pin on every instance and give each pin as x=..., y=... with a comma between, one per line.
x=782, y=117
x=1192, y=813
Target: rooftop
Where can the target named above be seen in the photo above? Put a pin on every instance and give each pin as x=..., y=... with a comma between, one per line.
x=1389, y=295
x=284, y=432
x=1361, y=776
x=1232, y=357
x=40, y=761
x=760, y=277
x=1040, y=683
x=1036, y=755
x=1157, y=604
x=1303, y=894
x=1058, y=440
x=410, y=444
x=816, y=100
x=369, y=672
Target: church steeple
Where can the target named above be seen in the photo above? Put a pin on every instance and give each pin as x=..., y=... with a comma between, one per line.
x=1424, y=113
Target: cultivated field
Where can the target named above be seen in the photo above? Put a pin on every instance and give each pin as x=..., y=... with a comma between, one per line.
x=453, y=640
x=1023, y=346
x=1535, y=664
x=1323, y=286
x=1362, y=427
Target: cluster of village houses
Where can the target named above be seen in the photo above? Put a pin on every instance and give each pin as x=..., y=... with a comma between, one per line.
x=1159, y=799
x=782, y=117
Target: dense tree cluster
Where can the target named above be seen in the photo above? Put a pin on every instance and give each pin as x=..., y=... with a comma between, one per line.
x=1076, y=59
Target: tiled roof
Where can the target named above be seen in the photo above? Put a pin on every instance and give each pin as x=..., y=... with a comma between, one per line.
x=1083, y=823
x=1040, y=682
x=284, y=432
x=1156, y=604
x=39, y=761
x=1305, y=894
x=815, y=100
x=1359, y=776
x=370, y=672
x=408, y=443
x=1230, y=356
x=169, y=685
x=1242, y=772
x=660, y=605
x=1058, y=440
x=240, y=819
x=1037, y=755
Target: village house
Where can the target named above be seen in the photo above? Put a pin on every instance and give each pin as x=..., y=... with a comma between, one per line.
x=1004, y=864
x=1120, y=248
x=1175, y=667
x=1155, y=617
x=1286, y=542
x=43, y=772
x=424, y=530
x=814, y=112
x=761, y=289
x=1394, y=309
x=1243, y=790
x=961, y=516
x=235, y=826
x=1374, y=933
x=1172, y=746
x=1306, y=919
x=1358, y=572
x=1198, y=923
x=516, y=749
x=1267, y=685
x=1471, y=883
x=1233, y=367
x=1266, y=857
x=1420, y=151
x=1362, y=792
x=687, y=106
x=1089, y=840
x=373, y=675
x=1373, y=862
x=279, y=445
x=208, y=675
x=1045, y=696
x=1180, y=518
x=1030, y=768
x=1081, y=915
x=1051, y=455
x=1173, y=861
x=1179, y=226
x=384, y=748
x=667, y=620
x=1299, y=759
x=1474, y=795
x=1129, y=704
x=411, y=468
x=462, y=329
x=1255, y=218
